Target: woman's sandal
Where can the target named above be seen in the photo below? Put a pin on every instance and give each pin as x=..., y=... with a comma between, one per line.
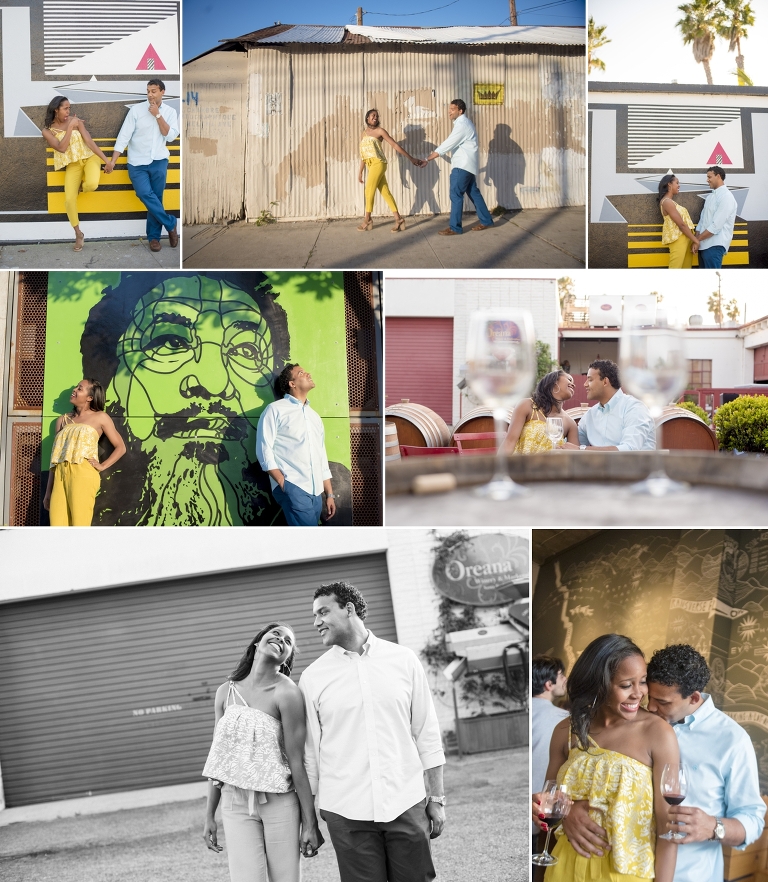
x=365, y=225
x=399, y=225
x=79, y=239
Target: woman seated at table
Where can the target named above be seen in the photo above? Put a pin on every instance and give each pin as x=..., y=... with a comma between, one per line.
x=528, y=427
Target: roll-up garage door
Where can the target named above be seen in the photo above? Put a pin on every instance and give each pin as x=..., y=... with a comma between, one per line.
x=419, y=363
x=113, y=689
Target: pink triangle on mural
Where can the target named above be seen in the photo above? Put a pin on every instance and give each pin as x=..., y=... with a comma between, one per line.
x=719, y=156
x=150, y=60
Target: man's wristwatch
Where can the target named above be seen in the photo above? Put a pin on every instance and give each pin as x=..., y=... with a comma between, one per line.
x=329, y=496
x=582, y=446
x=719, y=833
x=440, y=800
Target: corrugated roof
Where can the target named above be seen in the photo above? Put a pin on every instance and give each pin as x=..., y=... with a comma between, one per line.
x=364, y=34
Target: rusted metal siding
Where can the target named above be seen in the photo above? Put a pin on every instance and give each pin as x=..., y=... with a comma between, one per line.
x=306, y=107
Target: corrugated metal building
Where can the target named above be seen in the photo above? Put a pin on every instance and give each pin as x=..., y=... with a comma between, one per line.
x=273, y=118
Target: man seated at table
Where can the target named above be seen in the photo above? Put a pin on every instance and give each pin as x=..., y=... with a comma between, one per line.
x=618, y=421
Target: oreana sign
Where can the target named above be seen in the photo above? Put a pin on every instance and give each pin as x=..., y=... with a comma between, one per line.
x=486, y=570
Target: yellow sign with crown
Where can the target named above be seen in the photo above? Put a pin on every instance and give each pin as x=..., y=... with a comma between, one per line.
x=488, y=93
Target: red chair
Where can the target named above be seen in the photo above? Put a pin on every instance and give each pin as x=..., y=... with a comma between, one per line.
x=462, y=437
x=406, y=450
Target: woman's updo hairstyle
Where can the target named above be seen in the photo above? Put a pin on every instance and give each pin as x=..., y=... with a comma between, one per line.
x=246, y=662
x=590, y=680
x=664, y=186
x=372, y=110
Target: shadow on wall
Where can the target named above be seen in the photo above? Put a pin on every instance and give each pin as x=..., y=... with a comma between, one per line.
x=505, y=168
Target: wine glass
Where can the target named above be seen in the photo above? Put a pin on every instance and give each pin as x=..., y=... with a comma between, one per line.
x=554, y=430
x=654, y=369
x=555, y=805
x=674, y=789
x=501, y=368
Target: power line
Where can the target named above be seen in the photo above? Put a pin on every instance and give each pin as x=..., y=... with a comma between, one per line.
x=405, y=14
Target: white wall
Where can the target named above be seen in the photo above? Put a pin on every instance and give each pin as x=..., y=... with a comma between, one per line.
x=732, y=364
x=419, y=297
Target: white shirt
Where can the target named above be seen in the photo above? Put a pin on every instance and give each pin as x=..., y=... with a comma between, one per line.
x=544, y=717
x=718, y=216
x=624, y=422
x=723, y=782
x=372, y=730
x=140, y=133
x=463, y=142
x=291, y=437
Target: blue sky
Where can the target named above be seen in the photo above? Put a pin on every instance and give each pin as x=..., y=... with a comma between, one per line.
x=205, y=22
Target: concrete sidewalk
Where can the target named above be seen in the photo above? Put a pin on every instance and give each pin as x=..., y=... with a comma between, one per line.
x=530, y=239
x=486, y=834
x=120, y=254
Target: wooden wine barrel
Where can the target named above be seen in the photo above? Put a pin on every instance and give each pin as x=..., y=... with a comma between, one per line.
x=479, y=419
x=681, y=429
x=391, y=443
x=418, y=426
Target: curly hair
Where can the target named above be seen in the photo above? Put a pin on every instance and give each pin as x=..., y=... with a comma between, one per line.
x=590, y=679
x=344, y=594
x=608, y=370
x=544, y=669
x=542, y=394
x=282, y=383
x=245, y=664
x=679, y=665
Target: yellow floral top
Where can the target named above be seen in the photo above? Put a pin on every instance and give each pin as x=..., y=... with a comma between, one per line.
x=77, y=150
x=670, y=232
x=75, y=442
x=370, y=148
x=620, y=793
x=533, y=438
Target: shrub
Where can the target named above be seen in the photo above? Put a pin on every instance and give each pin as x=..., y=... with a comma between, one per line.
x=742, y=424
x=694, y=408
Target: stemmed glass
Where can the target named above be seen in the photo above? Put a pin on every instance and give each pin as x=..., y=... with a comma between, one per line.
x=654, y=369
x=674, y=789
x=554, y=430
x=555, y=805
x=501, y=368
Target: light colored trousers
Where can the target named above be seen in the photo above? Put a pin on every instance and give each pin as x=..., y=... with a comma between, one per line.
x=266, y=841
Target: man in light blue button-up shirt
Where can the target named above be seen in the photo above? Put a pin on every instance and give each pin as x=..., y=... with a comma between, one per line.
x=715, y=227
x=145, y=131
x=462, y=145
x=723, y=805
x=290, y=446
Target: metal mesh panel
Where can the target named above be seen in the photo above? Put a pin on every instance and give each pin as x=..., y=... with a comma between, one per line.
x=25, y=474
x=361, y=342
x=29, y=357
x=365, y=444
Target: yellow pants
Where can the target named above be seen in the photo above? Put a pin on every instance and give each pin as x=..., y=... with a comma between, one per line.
x=680, y=256
x=75, y=485
x=377, y=180
x=571, y=867
x=85, y=171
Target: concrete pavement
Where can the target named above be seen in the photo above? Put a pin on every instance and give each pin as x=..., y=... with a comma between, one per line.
x=530, y=239
x=120, y=254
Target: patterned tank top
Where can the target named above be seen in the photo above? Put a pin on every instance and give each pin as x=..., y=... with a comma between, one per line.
x=370, y=148
x=670, y=232
x=75, y=442
x=619, y=789
x=248, y=749
x=77, y=149
x=533, y=437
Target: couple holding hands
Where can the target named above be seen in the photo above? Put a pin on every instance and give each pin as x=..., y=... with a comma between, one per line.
x=461, y=143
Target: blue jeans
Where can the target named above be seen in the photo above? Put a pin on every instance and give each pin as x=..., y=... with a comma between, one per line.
x=149, y=183
x=711, y=258
x=463, y=183
x=301, y=509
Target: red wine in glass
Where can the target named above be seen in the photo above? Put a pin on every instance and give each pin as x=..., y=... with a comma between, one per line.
x=674, y=788
x=673, y=798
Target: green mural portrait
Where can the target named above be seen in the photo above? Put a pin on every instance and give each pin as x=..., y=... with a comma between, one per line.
x=189, y=362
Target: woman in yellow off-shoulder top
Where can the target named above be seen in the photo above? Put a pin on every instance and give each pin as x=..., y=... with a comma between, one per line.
x=527, y=428
x=677, y=232
x=77, y=153
x=610, y=754
x=74, y=475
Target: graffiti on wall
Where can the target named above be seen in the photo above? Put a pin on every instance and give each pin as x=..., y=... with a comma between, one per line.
x=88, y=52
x=189, y=362
x=705, y=588
x=635, y=143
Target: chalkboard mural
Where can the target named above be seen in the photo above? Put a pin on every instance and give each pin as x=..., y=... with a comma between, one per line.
x=708, y=588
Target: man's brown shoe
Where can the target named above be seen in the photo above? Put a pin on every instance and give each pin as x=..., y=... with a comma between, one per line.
x=482, y=226
x=173, y=236
x=448, y=232
x=154, y=245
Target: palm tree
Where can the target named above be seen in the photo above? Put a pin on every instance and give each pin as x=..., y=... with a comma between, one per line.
x=738, y=17
x=703, y=20
x=597, y=39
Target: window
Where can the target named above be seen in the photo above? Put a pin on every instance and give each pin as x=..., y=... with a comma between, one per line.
x=699, y=373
